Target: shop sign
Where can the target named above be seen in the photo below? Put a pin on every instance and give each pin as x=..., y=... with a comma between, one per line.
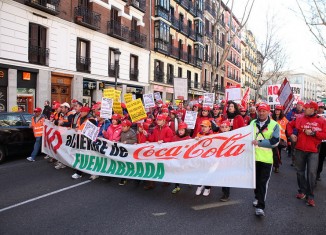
x=26, y=76
x=2, y=74
x=158, y=88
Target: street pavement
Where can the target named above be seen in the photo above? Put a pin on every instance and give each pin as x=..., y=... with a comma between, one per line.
x=36, y=198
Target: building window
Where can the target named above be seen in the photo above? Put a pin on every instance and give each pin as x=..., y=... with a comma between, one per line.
x=159, y=71
x=161, y=35
x=199, y=27
x=179, y=72
x=196, y=81
x=170, y=74
x=83, y=55
x=134, y=68
x=37, y=51
x=189, y=78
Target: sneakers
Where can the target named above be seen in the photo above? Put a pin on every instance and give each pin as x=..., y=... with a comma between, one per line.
x=122, y=182
x=76, y=176
x=259, y=212
x=59, y=166
x=46, y=157
x=301, y=196
x=277, y=170
x=310, y=202
x=93, y=177
x=30, y=159
x=199, y=190
x=224, y=198
x=206, y=192
x=176, y=189
x=255, y=203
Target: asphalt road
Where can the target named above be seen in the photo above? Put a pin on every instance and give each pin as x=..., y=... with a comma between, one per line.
x=35, y=198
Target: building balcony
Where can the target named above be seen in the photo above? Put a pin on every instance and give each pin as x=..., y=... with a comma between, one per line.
x=209, y=34
x=183, y=56
x=174, y=52
x=199, y=12
x=209, y=8
x=138, y=39
x=117, y=30
x=83, y=64
x=175, y=22
x=169, y=78
x=199, y=62
x=162, y=12
x=134, y=74
x=220, y=88
x=208, y=59
x=184, y=4
x=87, y=18
x=159, y=76
x=139, y=4
x=191, y=60
x=111, y=70
x=198, y=37
x=196, y=85
x=38, y=55
x=48, y=6
x=161, y=46
x=206, y=86
x=192, y=9
x=183, y=28
x=191, y=33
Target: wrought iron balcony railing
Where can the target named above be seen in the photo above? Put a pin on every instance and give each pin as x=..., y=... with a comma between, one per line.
x=138, y=38
x=48, y=6
x=83, y=64
x=159, y=76
x=162, y=12
x=134, y=74
x=139, y=4
x=117, y=30
x=38, y=55
x=87, y=18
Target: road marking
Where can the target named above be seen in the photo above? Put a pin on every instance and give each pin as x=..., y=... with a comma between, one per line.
x=214, y=205
x=45, y=195
x=159, y=214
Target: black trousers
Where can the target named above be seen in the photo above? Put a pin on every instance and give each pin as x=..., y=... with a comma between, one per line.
x=226, y=191
x=322, y=154
x=263, y=174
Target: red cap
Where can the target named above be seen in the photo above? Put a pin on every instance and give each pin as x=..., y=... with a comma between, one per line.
x=85, y=109
x=264, y=106
x=97, y=113
x=140, y=124
x=300, y=102
x=146, y=126
x=173, y=111
x=37, y=109
x=216, y=106
x=95, y=106
x=206, y=123
x=206, y=108
x=225, y=123
x=161, y=117
x=197, y=105
x=149, y=120
x=57, y=105
x=321, y=105
x=242, y=109
x=223, y=101
x=126, y=123
x=74, y=101
x=182, y=125
x=165, y=110
x=55, y=102
x=116, y=116
x=278, y=107
x=164, y=106
x=311, y=104
x=123, y=105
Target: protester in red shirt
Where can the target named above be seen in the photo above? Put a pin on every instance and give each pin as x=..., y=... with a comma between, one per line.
x=205, y=115
x=245, y=116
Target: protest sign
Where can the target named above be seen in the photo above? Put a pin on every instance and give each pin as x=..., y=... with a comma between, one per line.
x=190, y=119
x=225, y=159
x=157, y=96
x=180, y=88
x=108, y=93
x=106, y=108
x=136, y=110
x=234, y=93
x=117, y=95
x=209, y=99
x=117, y=108
x=90, y=130
x=128, y=97
x=149, y=100
x=285, y=95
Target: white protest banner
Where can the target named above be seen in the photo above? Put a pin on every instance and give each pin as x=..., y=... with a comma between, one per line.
x=209, y=99
x=234, y=92
x=190, y=119
x=225, y=159
x=90, y=131
x=148, y=100
x=106, y=108
x=180, y=88
x=157, y=96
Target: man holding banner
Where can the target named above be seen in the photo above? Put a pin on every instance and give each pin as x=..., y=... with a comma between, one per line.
x=266, y=137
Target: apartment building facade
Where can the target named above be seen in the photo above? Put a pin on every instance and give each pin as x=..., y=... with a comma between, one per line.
x=64, y=49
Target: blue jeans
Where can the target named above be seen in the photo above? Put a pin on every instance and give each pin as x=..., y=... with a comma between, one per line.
x=37, y=146
x=309, y=161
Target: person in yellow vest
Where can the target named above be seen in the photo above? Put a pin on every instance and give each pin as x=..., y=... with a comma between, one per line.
x=37, y=125
x=266, y=137
x=279, y=117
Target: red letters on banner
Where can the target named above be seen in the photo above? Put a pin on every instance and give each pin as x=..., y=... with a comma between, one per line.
x=52, y=136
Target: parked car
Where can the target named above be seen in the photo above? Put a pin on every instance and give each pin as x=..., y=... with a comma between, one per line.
x=16, y=137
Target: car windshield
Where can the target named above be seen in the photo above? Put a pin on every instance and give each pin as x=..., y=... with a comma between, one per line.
x=28, y=118
x=7, y=120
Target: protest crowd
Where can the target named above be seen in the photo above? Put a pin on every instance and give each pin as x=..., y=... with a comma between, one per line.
x=300, y=132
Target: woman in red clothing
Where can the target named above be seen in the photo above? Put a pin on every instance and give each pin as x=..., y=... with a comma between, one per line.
x=234, y=116
x=142, y=133
x=181, y=134
x=114, y=131
x=205, y=115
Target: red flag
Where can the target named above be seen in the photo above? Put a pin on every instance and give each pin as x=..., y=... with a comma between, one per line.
x=245, y=99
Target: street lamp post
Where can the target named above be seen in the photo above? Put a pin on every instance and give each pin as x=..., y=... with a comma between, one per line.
x=117, y=54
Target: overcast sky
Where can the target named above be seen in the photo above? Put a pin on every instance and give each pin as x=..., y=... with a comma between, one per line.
x=300, y=45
